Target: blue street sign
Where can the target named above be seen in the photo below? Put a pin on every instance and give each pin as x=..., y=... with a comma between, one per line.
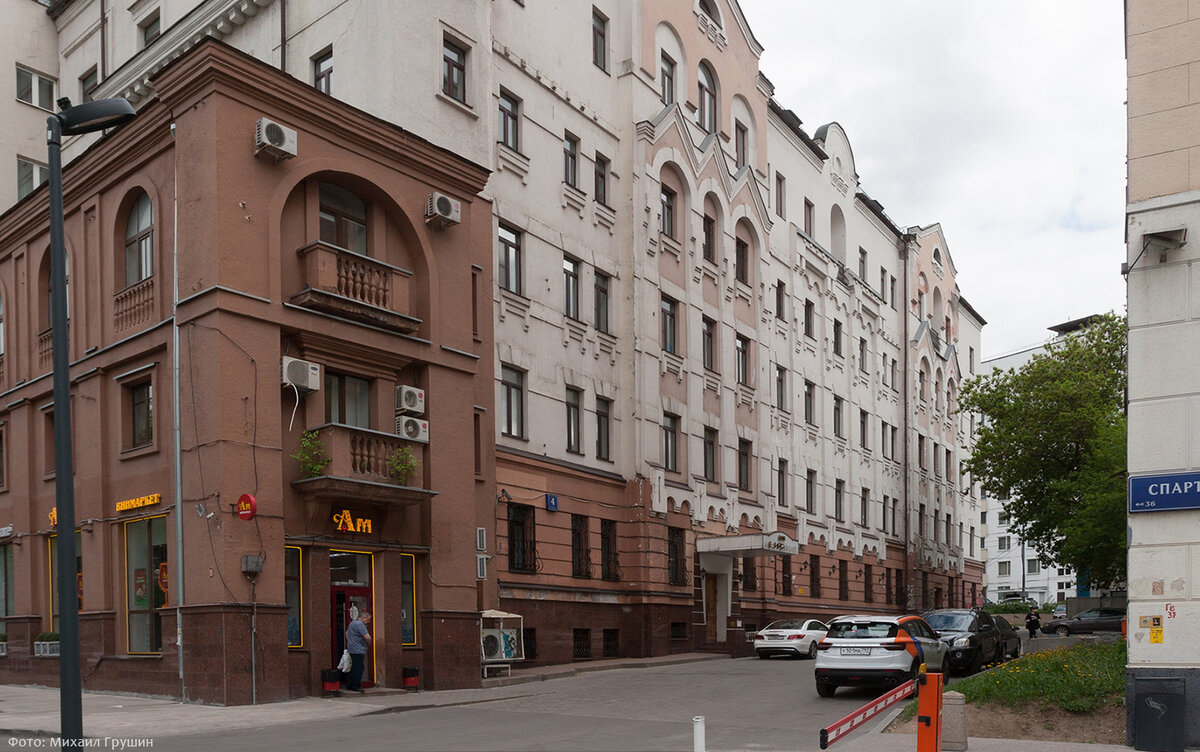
x=1161, y=493
x=552, y=502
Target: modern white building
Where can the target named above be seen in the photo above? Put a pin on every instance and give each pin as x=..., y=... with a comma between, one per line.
x=1162, y=222
x=726, y=379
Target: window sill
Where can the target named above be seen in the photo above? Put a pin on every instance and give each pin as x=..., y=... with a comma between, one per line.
x=604, y=216
x=462, y=106
x=574, y=198
x=670, y=245
x=513, y=161
x=138, y=451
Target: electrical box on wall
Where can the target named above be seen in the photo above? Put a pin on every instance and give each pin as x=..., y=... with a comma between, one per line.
x=252, y=564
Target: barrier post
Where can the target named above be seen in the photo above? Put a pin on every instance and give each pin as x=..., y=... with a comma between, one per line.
x=929, y=713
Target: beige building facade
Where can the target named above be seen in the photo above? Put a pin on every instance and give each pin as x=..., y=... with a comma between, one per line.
x=1163, y=217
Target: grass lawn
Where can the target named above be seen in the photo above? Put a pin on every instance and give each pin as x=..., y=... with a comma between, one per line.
x=1078, y=679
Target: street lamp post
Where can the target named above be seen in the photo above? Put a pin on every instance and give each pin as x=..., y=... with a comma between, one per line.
x=85, y=118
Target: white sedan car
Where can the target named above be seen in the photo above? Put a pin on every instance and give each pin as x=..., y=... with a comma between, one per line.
x=790, y=637
x=879, y=651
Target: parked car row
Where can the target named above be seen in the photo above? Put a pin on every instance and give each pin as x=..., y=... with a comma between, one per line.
x=876, y=650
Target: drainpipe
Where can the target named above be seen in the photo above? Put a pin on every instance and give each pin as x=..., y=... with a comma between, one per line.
x=906, y=240
x=175, y=429
x=103, y=40
x=283, y=39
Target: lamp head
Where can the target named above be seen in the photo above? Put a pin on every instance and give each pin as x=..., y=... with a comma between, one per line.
x=94, y=116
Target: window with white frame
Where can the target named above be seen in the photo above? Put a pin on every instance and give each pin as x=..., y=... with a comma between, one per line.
x=670, y=442
x=509, y=277
x=30, y=175
x=35, y=89
x=512, y=401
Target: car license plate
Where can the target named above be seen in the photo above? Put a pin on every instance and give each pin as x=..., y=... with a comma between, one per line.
x=856, y=651
x=774, y=637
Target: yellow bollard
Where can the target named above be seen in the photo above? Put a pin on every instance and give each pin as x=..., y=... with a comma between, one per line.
x=929, y=713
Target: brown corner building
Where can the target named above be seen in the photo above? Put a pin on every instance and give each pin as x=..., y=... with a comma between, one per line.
x=204, y=279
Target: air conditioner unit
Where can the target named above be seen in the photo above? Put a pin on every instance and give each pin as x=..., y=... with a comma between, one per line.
x=410, y=400
x=301, y=374
x=501, y=645
x=442, y=211
x=413, y=429
x=274, y=139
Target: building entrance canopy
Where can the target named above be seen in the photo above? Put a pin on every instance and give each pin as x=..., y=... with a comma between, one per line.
x=759, y=544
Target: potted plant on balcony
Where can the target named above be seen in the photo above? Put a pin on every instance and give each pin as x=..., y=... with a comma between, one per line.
x=46, y=643
x=401, y=464
x=311, y=454
x=3, y=644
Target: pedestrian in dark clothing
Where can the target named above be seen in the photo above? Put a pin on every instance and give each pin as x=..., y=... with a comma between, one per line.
x=357, y=641
x=1033, y=622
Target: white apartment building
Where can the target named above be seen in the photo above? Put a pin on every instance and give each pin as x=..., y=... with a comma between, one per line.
x=726, y=379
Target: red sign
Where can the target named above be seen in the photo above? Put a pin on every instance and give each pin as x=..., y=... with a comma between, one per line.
x=162, y=578
x=247, y=507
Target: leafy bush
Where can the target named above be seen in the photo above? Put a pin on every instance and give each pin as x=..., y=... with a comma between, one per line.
x=47, y=637
x=1078, y=679
x=3, y=637
x=402, y=464
x=311, y=454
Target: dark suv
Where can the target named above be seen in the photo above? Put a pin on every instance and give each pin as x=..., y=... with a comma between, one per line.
x=972, y=637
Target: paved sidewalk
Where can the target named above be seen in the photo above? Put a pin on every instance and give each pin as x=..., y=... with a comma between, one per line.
x=27, y=711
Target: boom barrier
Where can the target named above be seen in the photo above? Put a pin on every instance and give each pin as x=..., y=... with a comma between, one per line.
x=839, y=729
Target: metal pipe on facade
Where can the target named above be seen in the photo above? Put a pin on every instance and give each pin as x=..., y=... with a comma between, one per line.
x=178, y=585
x=905, y=240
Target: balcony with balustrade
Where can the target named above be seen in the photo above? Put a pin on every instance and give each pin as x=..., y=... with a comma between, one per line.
x=359, y=463
x=355, y=286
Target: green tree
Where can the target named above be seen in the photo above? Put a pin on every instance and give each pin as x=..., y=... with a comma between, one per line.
x=1052, y=442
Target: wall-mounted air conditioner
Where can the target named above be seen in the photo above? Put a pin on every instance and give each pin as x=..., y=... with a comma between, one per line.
x=302, y=374
x=413, y=429
x=410, y=400
x=442, y=211
x=501, y=645
x=274, y=139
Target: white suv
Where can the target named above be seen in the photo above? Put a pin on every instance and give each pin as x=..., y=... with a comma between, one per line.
x=876, y=651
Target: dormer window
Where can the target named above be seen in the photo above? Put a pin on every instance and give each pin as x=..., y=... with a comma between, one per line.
x=709, y=8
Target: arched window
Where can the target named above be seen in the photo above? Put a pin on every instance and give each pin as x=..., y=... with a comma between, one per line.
x=343, y=219
x=710, y=9
x=706, y=99
x=937, y=256
x=139, y=241
x=837, y=233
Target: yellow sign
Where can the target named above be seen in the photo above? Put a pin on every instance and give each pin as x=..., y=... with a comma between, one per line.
x=348, y=523
x=141, y=501
x=1156, y=635
x=53, y=516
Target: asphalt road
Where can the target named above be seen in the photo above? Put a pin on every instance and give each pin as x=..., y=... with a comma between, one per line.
x=748, y=704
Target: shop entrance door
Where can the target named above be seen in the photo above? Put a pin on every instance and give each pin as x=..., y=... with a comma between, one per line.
x=344, y=598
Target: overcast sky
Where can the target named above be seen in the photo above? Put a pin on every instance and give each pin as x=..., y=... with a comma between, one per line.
x=1003, y=121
